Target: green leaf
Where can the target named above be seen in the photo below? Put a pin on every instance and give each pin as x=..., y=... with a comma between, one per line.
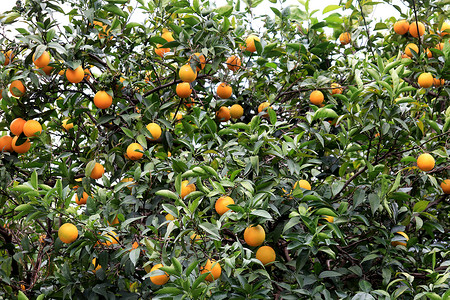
x=34, y=179
x=21, y=296
x=328, y=274
x=115, y=10
x=134, y=255
x=89, y=167
x=211, y=229
x=261, y=213
x=325, y=113
x=331, y=8
x=324, y=211
x=167, y=194
x=420, y=206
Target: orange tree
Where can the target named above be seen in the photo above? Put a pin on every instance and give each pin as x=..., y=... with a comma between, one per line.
x=327, y=178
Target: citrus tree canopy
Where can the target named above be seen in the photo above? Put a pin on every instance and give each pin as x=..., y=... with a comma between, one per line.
x=179, y=150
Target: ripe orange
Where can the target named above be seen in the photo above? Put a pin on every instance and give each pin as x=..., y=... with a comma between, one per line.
x=83, y=199
x=75, y=76
x=96, y=266
x=130, y=187
x=169, y=217
x=250, y=43
x=67, y=126
x=67, y=233
x=396, y=243
x=236, y=111
x=132, y=153
x=330, y=219
x=32, y=128
x=224, y=90
x=263, y=107
x=190, y=102
x=42, y=61
x=445, y=185
x=233, y=63
x=161, y=51
x=200, y=59
x=97, y=171
x=187, y=74
x=214, y=269
x=413, y=29
x=345, y=38
x=401, y=27
x=186, y=188
x=18, y=85
x=159, y=279
x=445, y=27
x=16, y=126
x=184, y=89
x=87, y=74
x=425, y=80
x=266, y=254
x=316, y=98
x=222, y=203
x=155, y=131
x=6, y=143
x=168, y=36
x=47, y=70
x=9, y=56
x=223, y=114
x=429, y=53
x=103, y=33
x=438, y=82
x=439, y=46
x=254, y=235
x=102, y=100
x=111, y=239
x=410, y=47
x=425, y=162
x=336, y=89
x=303, y=184
x=21, y=148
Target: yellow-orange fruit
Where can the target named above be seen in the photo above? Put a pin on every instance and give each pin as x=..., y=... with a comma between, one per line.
x=401, y=27
x=429, y=53
x=159, y=279
x=132, y=153
x=438, y=82
x=263, y=107
x=396, y=243
x=425, y=80
x=47, y=70
x=81, y=200
x=32, y=128
x=439, y=46
x=222, y=203
x=87, y=74
x=16, y=126
x=413, y=29
x=186, y=188
x=42, y=61
x=111, y=239
x=224, y=90
x=75, y=76
x=169, y=217
x=97, y=171
x=6, y=143
x=23, y=148
x=236, y=111
x=200, y=59
x=409, y=47
x=184, y=89
x=161, y=51
x=336, y=89
x=68, y=233
x=168, y=36
x=190, y=102
x=223, y=114
x=187, y=74
x=250, y=43
x=155, y=130
x=18, y=85
x=9, y=56
x=345, y=38
x=102, y=100
x=303, y=184
x=265, y=255
x=330, y=219
x=445, y=185
x=214, y=269
x=445, y=27
x=67, y=126
x=233, y=63
x=96, y=266
x=254, y=235
x=316, y=97
x=425, y=162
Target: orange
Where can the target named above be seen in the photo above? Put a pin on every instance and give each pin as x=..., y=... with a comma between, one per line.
x=200, y=59
x=439, y=46
x=345, y=38
x=42, y=61
x=445, y=27
x=213, y=268
x=316, y=97
x=168, y=36
x=222, y=203
x=6, y=143
x=396, y=243
x=425, y=162
x=21, y=148
x=410, y=47
x=103, y=33
x=303, y=184
x=18, y=85
x=429, y=53
x=401, y=27
x=263, y=107
x=224, y=90
x=67, y=233
x=250, y=43
x=190, y=103
x=132, y=153
x=425, y=80
x=159, y=279
x=265, y=254
x=223, y=114
x=96, y=266
x=130, y=187
x=187, y=74
x=32, y=128
x=87, y=74
x=16, y=126
x=111, y=239
x=233, y=63
x=413, y=29
x=47, y=70
x=161, y=51
x=445, y=185
x=169, y=217
x=155, y=131
x=330, y=219
x=67, y=126
x=183, y=90
x=83, y=199
x=336, y=89
x=75, y=76
x=254, y=235
x=102, y=100
x=9, y=56
x=236, y=111
x=186, y=188
x=438, y=82
x=97, y=171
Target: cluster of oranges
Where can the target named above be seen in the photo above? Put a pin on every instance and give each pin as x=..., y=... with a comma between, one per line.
x=17, y=127
x=426, y=162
